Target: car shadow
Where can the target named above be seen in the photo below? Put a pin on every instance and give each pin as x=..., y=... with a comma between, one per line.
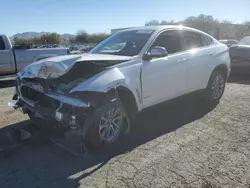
x=150, y=124
x=240, y=78
x=157, y=121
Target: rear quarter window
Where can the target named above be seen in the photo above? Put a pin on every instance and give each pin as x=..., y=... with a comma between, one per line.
x=208, y=41
x=192, y=40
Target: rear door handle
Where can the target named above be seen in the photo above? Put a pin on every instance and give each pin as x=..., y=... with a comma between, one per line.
x=210, y=53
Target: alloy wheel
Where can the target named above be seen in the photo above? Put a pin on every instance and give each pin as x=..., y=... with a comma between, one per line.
x=110, y=124
x=218, y=85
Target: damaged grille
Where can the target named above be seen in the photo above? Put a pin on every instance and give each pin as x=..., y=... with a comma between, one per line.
x=28, y=91
x=38, y=98
x=39, y=81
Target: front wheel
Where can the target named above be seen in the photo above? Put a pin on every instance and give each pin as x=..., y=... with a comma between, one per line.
x=111, y=122
x=216, y=86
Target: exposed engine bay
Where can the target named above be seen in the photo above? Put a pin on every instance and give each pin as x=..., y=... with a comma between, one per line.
x=63, y=88
x=77, y=74
x=53, y=92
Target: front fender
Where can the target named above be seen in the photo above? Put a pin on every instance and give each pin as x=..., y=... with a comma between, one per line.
x=102, y=82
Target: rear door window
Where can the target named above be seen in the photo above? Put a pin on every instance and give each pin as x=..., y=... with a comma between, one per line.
x=192, y=40
x=244, y=41
x=2, y=45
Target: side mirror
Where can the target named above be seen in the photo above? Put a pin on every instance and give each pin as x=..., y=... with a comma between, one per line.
x=156, y=52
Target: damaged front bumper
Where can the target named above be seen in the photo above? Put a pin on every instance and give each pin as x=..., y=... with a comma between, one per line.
x=72, y=114
x=65, y=110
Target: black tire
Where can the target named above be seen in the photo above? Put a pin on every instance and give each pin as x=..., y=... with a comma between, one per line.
x=93, y=138
x=209, y=92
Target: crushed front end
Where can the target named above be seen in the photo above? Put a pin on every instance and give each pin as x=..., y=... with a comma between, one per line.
x=63, y=112
x=33, y=95
x=67, y=91
x=48, y=98
x=68, y=114
x=44, y=89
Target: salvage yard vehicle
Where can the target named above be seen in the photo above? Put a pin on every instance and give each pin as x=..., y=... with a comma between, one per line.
x=13, y=59
x=82, y=50
x=98, y=94
x=240, y=52
x=229, y=42
x=240, y=57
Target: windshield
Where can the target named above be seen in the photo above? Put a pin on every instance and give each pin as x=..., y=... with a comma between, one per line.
x=126, y=43
x=244, y=41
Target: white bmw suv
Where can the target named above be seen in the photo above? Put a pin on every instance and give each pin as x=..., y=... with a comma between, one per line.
x=99, y=93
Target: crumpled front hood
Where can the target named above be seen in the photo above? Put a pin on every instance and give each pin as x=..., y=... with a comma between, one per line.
x=49, y=68
x=57, y=66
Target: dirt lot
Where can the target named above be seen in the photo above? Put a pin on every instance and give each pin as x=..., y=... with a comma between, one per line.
x=179, y=144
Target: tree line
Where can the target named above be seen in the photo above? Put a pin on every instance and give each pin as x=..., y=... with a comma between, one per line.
x=207, y=23
x=55, y=38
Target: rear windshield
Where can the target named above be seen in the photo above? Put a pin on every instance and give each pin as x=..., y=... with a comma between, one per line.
x=244, y=41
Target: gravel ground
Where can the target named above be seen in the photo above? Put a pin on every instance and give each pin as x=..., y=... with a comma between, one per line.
x=181, y=143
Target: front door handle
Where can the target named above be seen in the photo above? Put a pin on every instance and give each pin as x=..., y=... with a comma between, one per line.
x=210, y=53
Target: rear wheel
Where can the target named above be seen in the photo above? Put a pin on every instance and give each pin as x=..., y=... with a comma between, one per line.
x=216, y=86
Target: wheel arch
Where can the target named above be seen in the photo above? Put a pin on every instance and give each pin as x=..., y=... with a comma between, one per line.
x=125, y=97
x=222, y=68
x=128, y=100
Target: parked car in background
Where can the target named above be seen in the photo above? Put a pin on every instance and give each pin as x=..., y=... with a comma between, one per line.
x=13, y=59
x=97, y=94
x=241, y=51
x=229, y=42
x=82, y=50
x=240, y=56
x=73, y=48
